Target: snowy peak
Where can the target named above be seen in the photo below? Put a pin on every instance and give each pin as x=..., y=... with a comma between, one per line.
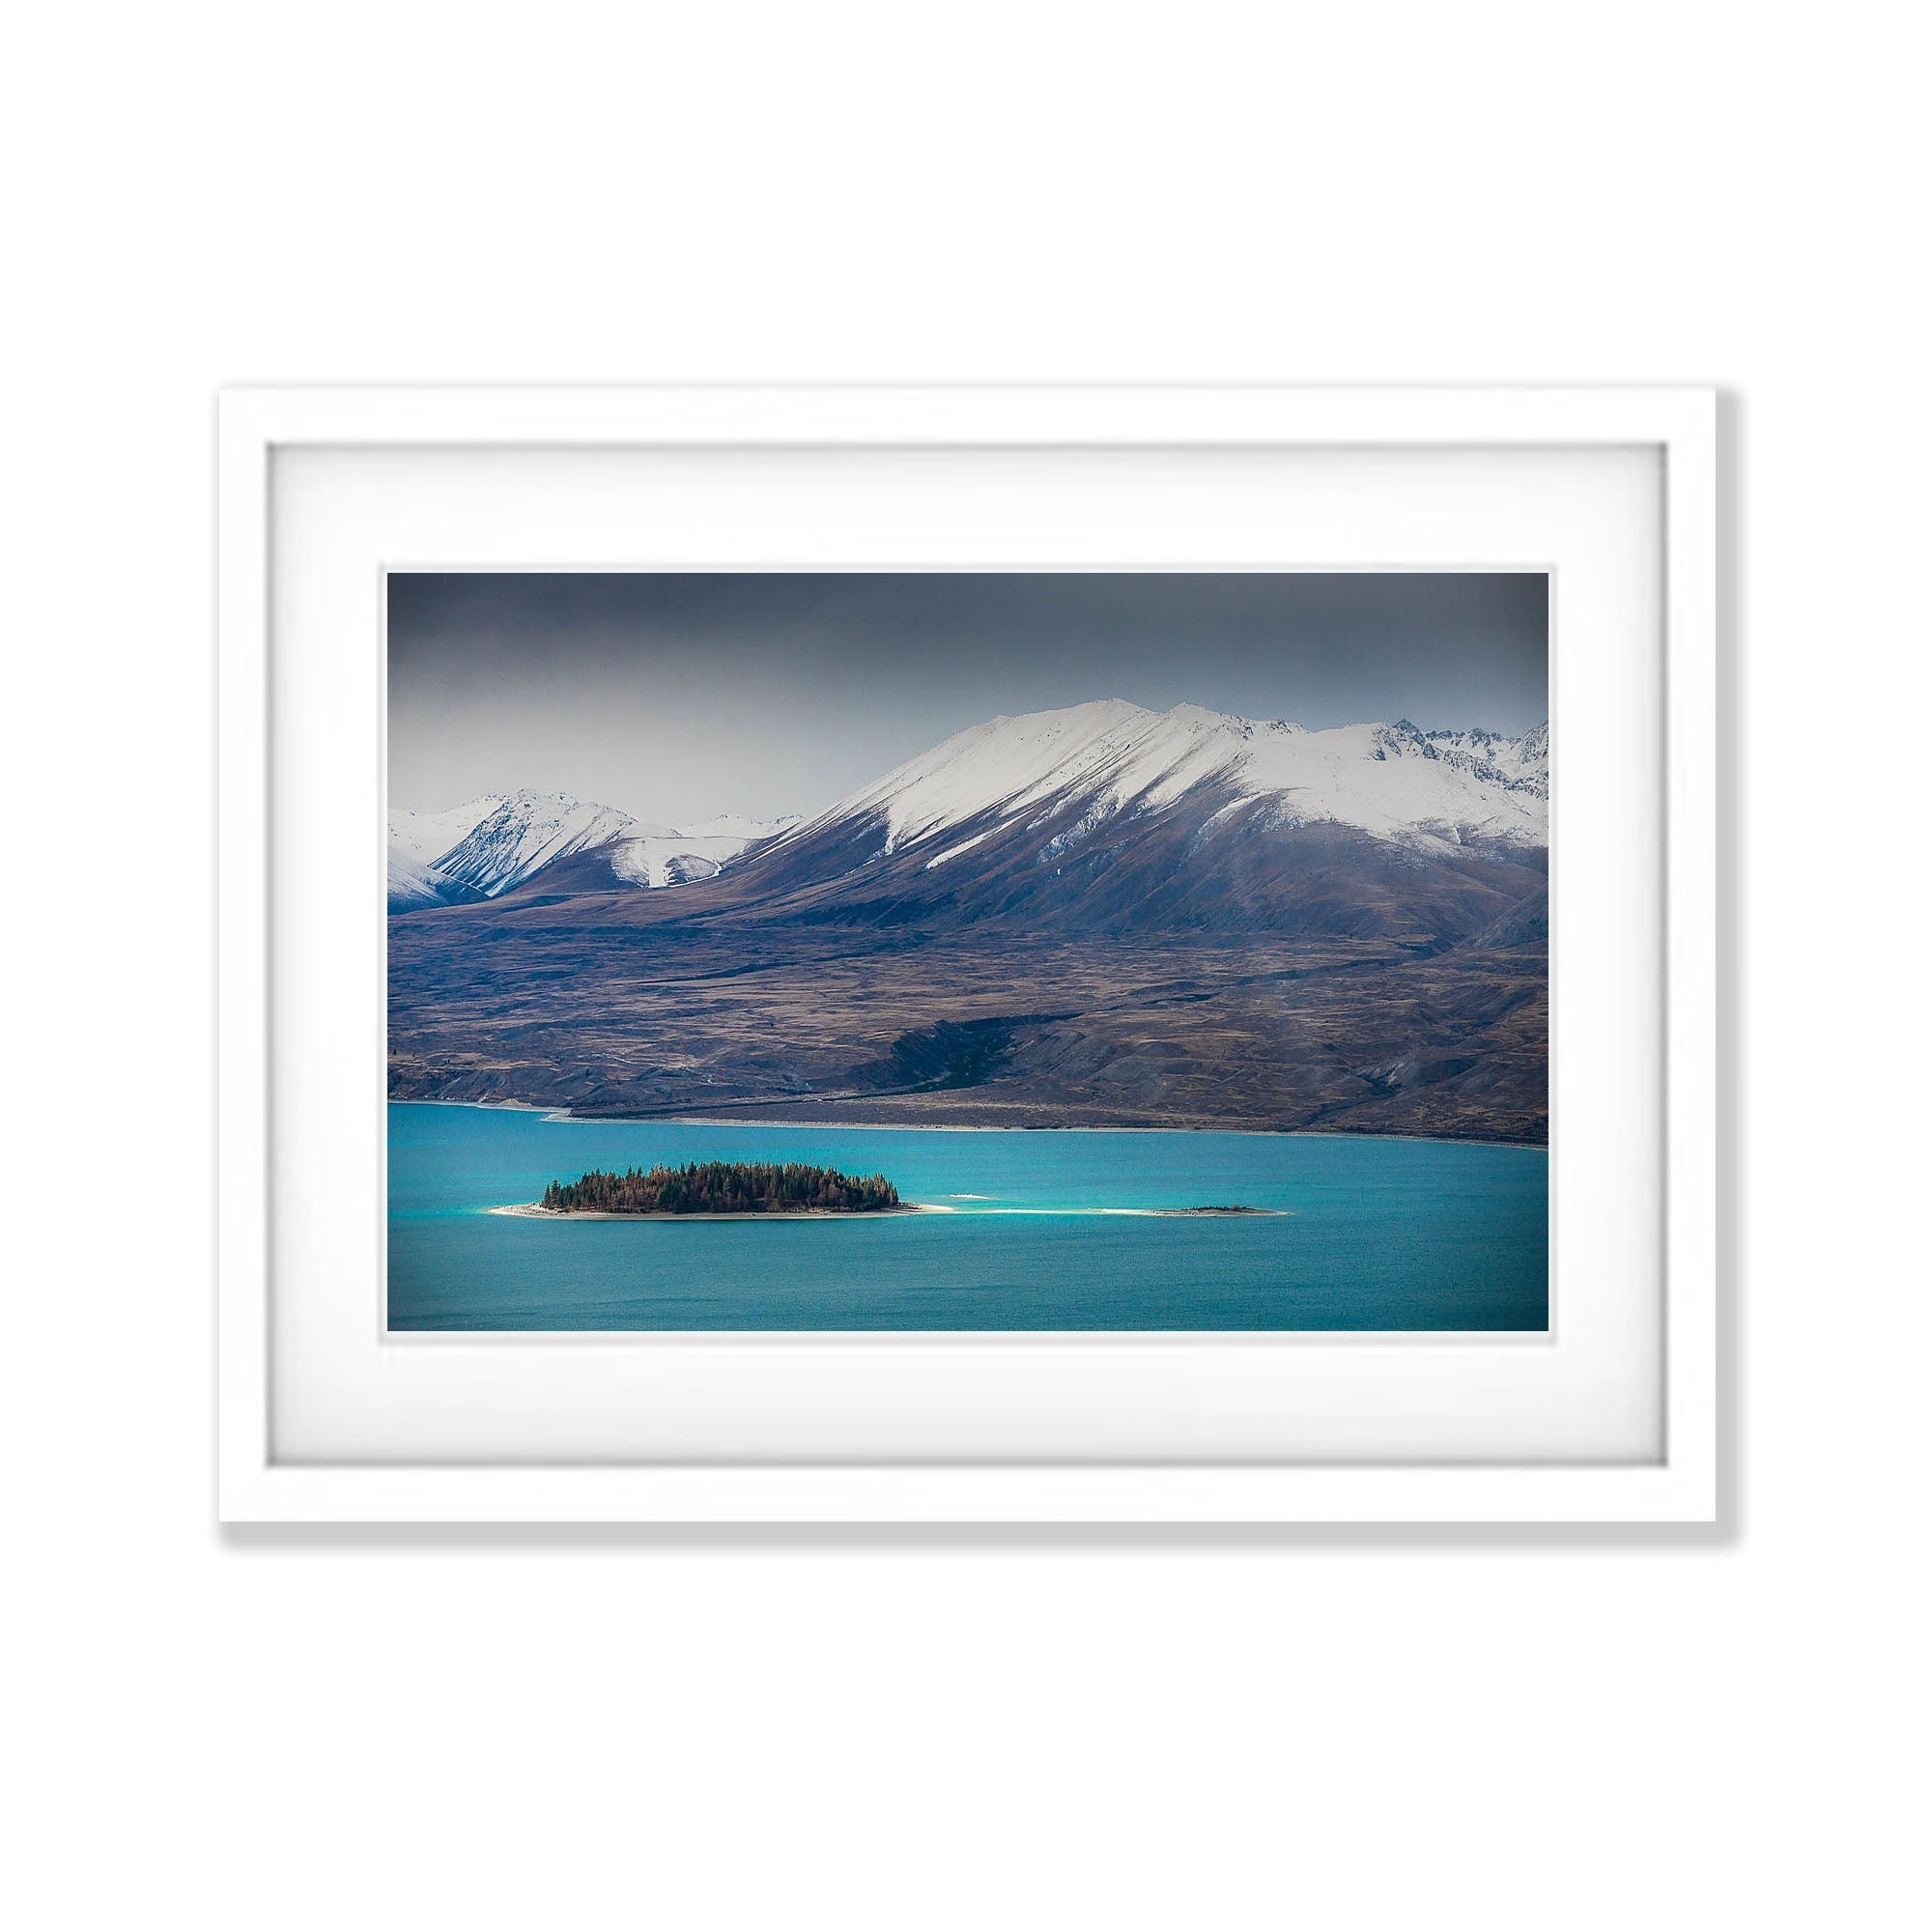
x=1004, y=765
x=490, y=845
x=486, y=845
x=1515, y=763
x=1394, y=782
x=521, y=834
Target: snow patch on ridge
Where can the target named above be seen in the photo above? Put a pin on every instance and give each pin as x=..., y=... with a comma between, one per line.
x=954, y=851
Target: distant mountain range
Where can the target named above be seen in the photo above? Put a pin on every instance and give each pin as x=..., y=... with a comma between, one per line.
x=1434, y=791
x=1097, y=915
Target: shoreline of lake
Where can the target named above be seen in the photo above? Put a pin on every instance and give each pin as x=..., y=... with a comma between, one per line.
x=568, y=1116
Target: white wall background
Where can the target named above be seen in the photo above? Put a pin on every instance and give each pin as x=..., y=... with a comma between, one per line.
x=572, y=1730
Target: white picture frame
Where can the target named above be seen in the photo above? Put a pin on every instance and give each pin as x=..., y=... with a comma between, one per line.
x=1679, y=1484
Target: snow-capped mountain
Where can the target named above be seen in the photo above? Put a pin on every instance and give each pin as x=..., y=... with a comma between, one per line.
x=491, y=844
x=1436, y=790
x=1135, y=812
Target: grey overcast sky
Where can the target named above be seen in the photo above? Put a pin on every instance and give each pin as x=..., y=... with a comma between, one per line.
x=675, y=697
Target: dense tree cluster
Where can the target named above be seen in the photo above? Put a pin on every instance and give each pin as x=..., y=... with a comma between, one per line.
x=723, y=1188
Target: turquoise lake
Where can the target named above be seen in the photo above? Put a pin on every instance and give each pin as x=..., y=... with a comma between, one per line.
x=1048, y=1230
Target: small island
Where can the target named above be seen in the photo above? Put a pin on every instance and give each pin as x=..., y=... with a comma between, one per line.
x=722, y=1188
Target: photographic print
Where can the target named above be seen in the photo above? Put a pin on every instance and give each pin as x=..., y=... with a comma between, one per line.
x=968, y=951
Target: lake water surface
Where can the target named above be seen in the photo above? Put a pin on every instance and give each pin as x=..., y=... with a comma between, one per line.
x=1047, y=1231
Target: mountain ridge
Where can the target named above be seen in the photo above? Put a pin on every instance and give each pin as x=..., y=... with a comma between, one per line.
x=1435, y=791
x=1391, y=781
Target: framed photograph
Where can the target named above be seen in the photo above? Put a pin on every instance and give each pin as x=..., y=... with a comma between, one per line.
x=968, y=955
